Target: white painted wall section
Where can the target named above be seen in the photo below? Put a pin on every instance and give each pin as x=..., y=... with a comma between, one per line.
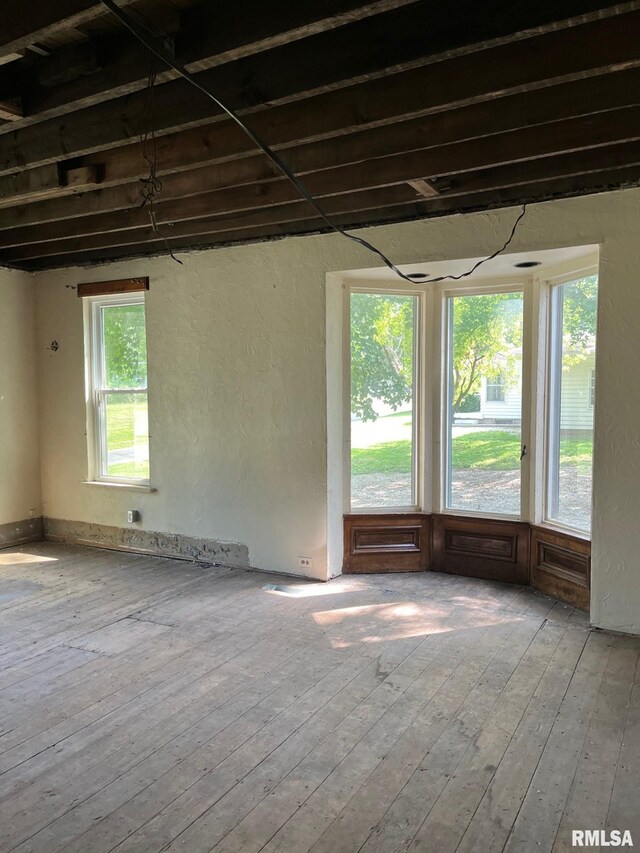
x=19, y=451
x=237, y=386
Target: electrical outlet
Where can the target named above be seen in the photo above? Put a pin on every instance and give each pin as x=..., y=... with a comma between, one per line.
x=132, y=516
x=305, y=563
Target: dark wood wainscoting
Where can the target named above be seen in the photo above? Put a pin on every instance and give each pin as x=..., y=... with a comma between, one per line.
x=561, y=565
x=512, y=551
x=481, y=548
x=387, y=543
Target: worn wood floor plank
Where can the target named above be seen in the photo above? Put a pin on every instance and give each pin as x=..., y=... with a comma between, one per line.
x=152, y=705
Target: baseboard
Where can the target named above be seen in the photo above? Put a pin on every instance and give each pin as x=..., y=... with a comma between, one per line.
x=21, y=532
x=174, y=545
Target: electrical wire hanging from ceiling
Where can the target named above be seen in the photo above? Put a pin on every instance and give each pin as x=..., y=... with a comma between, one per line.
x=162, y=54
x=151, y=186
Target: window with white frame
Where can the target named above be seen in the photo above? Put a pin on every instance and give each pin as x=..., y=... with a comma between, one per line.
x=495, y=388
x=472, y=398
x=117, y=388
x=483, y=337
x=571, y=394
x=383, y=348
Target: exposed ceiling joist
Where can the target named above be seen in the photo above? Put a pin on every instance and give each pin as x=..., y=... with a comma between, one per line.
x=278, y=204
x=11, y=110
x=500, y=104
x=23, y=24
x=275, y=198
x=586, y=50
x=153, y=244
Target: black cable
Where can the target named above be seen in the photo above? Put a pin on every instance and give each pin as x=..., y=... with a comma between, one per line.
x=484, y=260
x=151, y=186
x=168, y=60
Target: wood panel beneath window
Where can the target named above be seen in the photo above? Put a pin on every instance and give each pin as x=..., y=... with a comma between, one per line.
x=556, y=563
x=387, y=543
x=561, y=565
x=481, y=548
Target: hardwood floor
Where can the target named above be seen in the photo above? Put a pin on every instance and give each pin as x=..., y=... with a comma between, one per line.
x=150, y=704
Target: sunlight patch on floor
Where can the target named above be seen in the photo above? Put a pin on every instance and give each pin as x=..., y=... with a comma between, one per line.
x=17, y=558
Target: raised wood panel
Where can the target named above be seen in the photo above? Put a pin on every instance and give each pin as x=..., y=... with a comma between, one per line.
x=561, y=565
x=482, y=548
x=555, y=563
x=387, y=543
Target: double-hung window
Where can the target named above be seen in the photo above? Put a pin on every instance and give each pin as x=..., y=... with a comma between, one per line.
x=118, y=432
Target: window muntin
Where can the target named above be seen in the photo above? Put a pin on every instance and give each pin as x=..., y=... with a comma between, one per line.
x=117, y=397
x=383, y=343
x=495, y=388
x=483, y=448
x=572, y=347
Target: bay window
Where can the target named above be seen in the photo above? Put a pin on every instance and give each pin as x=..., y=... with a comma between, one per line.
x=472, y=398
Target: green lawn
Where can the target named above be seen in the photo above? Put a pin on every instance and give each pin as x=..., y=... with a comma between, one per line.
x=120, y=425
x=493, y=450
x=120, y=432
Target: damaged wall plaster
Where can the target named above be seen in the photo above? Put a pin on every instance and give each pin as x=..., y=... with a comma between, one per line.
x=148, y=542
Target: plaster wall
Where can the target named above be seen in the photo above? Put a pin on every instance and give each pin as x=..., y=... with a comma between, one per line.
x=236, y=341
x=19, y=451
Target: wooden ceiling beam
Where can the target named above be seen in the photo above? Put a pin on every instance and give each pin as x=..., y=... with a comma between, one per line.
x=585, y=50
x=275, y=203
x=26, y=23
x=327, y=159
x=238, y=200
x=209, y=35
x=325, y=116
x=152, y=244
x=11, y=110
x=214, y=34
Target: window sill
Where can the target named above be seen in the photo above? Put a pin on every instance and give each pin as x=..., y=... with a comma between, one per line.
x=131, y=487
x=554, y=527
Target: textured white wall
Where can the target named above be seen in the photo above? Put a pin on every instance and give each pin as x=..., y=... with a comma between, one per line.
x=19, y=451
x=238, y=397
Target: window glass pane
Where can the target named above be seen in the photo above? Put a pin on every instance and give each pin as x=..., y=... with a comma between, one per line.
x=382, y=416
x=485, y=403
x=125, y=346
x=572, y=396
x=127, y=436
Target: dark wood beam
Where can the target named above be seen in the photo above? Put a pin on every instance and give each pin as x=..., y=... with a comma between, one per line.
x=586, y=50
x=537, y=192
x=11, y=110
x=333, y=166
x=209, y=35
x=212, y=35
x=26, y=23
x=370, y=199
x=189, y=217
x=279, y=196
x=325, y=116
